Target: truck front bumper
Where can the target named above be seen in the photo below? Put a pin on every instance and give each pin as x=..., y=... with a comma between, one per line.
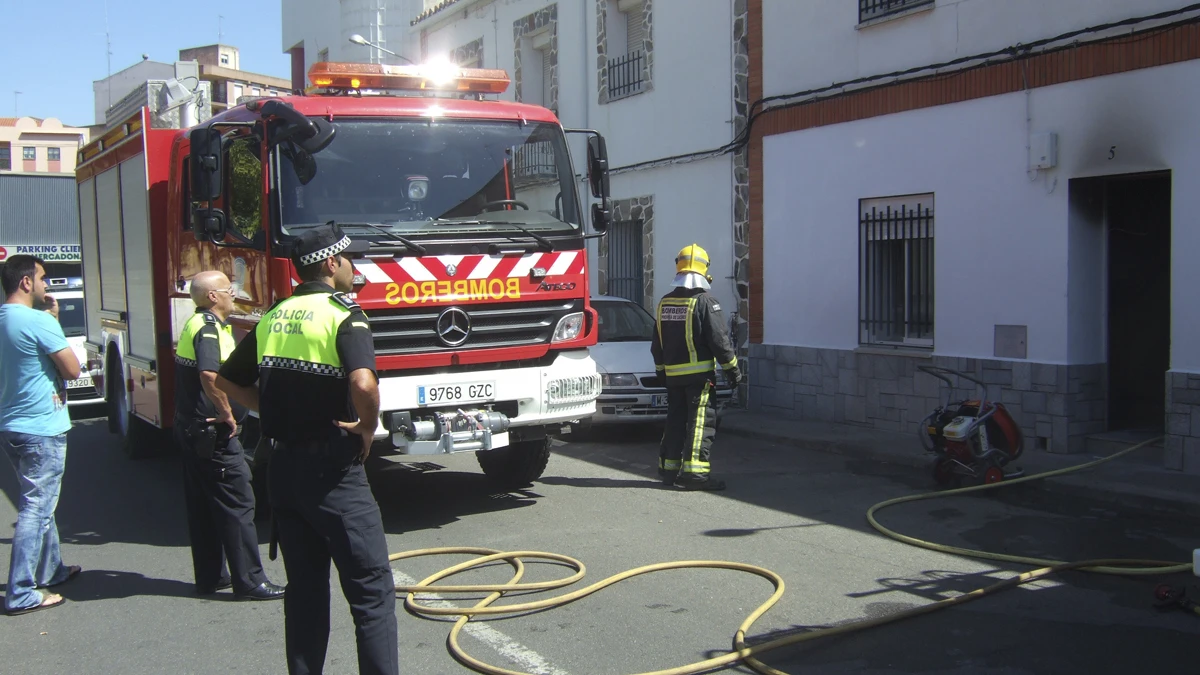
x=487, y=409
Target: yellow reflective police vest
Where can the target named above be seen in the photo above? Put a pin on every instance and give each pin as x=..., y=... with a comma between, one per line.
x=300, y=333
x=185, y=351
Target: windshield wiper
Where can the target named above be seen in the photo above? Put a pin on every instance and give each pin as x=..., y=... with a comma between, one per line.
x=393, y=239
x=544, y=244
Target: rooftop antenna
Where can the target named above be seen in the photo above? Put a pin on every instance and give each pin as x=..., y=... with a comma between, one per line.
x=15, y=95
x=220, y=28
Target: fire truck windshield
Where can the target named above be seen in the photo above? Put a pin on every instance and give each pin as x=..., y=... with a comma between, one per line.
x=413, y=178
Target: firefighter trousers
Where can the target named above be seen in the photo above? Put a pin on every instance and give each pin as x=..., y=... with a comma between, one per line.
x=691, y=427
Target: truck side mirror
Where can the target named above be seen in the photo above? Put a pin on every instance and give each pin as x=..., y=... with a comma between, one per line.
x=601, y=216
x=598, y=167
x=204, y=164
x=209, y=225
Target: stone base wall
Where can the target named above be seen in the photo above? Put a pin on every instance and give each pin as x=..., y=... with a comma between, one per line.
x=1056, y=406
x=1182, y=444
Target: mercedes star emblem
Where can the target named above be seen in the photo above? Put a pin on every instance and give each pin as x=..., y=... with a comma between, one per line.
x=453, y=327
x=451, y=270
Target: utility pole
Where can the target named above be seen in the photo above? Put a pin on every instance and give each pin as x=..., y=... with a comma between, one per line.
x=108, y=53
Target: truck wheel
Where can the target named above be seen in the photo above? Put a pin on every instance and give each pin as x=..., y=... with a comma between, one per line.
x=139, y=439
x=518, y=464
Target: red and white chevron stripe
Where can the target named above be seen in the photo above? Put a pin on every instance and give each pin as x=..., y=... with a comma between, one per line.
x=438, y=268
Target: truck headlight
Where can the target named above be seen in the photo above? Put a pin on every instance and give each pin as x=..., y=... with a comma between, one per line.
x=619, y=380
x=569, y=327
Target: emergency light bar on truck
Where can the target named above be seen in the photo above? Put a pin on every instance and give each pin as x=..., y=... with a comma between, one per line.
x=437, y=78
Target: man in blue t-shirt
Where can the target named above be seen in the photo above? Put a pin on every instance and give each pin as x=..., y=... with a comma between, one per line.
x=34, y=361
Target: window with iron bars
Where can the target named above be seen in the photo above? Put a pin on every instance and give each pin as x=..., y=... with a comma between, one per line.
x=896, y=256
x=877, y=9
x=626, y=264
x=625, y=75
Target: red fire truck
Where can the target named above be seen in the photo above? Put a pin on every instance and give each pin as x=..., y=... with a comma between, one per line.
x=476, y=283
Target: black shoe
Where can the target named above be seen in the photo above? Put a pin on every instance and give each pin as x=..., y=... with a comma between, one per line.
x=209, y=590
x=667, y=477
x=264, y=591
x=689, y=484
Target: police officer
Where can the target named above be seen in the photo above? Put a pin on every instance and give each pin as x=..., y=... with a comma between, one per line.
x=317, y=396
x=216, y=485
x=690, y=337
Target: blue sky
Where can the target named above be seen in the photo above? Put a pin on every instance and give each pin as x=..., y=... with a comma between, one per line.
x=55, y=70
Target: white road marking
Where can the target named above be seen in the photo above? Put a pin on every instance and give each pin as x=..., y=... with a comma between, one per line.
x=526, y=658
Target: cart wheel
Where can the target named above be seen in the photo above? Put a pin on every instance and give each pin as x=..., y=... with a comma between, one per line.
x=994, y=474
x=943, y=471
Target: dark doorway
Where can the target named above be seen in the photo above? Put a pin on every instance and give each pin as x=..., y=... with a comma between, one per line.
x=1138, y=210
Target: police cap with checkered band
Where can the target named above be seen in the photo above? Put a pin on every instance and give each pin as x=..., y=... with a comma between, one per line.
x=324, y=241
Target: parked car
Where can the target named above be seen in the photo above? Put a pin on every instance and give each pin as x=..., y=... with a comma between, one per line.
x=68, y=293
x=630, y=391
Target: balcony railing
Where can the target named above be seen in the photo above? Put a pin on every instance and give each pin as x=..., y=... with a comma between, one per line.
x=877, y=9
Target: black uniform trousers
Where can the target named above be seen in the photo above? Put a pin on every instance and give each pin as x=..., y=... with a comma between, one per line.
x=324, y=510
x=691, y=427
x=220, y=514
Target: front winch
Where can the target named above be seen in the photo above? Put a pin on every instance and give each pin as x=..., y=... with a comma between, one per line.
x=448, y=432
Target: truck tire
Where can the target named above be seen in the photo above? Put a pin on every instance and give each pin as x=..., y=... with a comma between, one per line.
x=518, y=464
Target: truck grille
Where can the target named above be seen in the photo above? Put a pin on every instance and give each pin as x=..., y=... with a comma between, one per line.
x=413, y=330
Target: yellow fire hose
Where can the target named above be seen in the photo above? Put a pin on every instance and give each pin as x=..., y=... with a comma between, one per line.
x=741, y=652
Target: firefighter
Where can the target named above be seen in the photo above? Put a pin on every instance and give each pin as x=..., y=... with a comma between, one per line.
x=689, y=339
x=308, y=368
x=216, y=477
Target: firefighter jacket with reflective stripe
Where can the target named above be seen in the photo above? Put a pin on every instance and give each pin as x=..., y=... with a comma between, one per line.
x=690, y=338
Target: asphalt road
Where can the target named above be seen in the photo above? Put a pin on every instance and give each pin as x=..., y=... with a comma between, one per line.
x=799, y=514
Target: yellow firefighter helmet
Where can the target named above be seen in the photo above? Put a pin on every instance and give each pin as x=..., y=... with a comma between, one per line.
x=692, y=258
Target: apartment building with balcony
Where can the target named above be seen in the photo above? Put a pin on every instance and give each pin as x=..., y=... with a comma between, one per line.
x=1001, y=188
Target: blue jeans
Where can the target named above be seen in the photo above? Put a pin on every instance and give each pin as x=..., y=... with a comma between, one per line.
x=35, y=561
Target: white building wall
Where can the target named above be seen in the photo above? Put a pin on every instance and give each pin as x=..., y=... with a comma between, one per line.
x=813, y=43
x=689, y=108
x=989, y=216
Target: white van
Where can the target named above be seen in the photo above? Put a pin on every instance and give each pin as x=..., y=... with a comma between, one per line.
x=68, y=292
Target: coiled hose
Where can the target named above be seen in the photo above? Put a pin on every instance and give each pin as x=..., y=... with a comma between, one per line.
x=741, y=652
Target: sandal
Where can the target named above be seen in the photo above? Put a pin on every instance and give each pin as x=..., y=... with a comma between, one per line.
x=73, y=571
x=45, y=604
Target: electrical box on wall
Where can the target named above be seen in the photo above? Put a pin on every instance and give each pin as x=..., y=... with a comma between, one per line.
x=1043, y=150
